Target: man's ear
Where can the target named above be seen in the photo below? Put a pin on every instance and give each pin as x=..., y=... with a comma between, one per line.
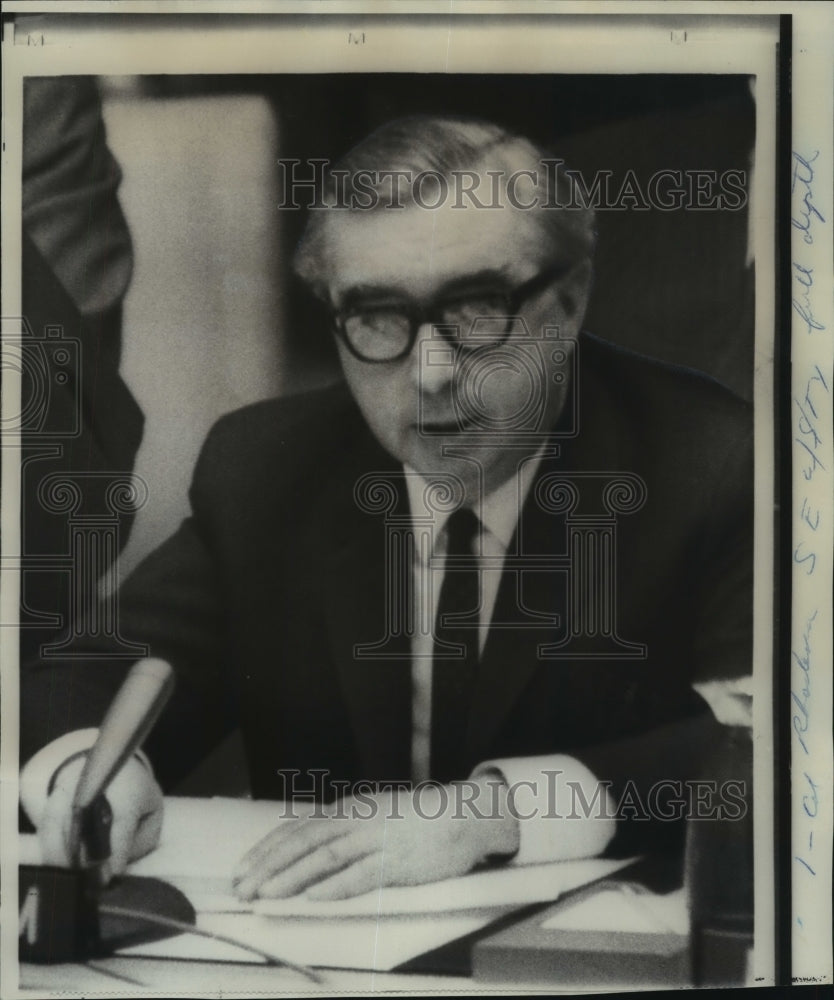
x=574, y=290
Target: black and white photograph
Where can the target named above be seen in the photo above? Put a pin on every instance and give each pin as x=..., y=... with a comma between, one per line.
x=402, y=560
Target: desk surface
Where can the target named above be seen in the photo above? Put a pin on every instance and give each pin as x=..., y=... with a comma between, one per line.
x=169, y=977
x=135, y=975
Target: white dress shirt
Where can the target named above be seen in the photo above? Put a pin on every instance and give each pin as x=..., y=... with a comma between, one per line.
x=540, y=782
x=498, y=514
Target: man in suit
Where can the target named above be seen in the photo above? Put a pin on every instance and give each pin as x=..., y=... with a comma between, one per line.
x=504, y=557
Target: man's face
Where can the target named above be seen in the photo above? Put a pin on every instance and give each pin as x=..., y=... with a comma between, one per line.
x=438, y=410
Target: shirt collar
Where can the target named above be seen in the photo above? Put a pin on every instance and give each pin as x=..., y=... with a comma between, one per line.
x=499, y=511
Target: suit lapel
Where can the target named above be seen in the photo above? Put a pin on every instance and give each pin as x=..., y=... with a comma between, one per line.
x=374, y=669
x=529, y=611
x=511, y=655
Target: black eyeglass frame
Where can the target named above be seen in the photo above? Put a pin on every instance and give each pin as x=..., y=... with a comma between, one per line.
x=418, y=314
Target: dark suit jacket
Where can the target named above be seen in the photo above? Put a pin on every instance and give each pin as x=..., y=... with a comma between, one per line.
x=262, y=594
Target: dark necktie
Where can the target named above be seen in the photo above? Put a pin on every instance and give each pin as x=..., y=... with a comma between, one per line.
x=454, y=675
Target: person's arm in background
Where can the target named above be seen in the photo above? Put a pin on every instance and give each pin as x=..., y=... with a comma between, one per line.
x=76, y=267
x=83, y=427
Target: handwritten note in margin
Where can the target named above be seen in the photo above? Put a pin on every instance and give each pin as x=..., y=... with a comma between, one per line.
x=812, y=543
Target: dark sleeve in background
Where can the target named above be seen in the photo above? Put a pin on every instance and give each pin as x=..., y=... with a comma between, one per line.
x=174, y=606
x=171, y=604
x=80, y=422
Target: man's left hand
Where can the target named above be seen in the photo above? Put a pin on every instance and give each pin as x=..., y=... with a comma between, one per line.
x=394, y=837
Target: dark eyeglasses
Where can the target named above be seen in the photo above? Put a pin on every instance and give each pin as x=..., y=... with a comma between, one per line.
x=386, y=331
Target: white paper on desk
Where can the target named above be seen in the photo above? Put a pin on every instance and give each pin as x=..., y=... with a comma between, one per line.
x=368, y=932
x=502, y=888
x=203, y=839
x=618, y=908
x=362, y=943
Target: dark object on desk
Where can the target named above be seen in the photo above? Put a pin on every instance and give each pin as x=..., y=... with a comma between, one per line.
x=59, y=908
x=719, y=873
x=721, y=950
x=58, y=917
x=59, y=914
x=144, y=895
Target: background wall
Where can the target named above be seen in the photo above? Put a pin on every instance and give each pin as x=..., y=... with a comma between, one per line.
x=202, y=317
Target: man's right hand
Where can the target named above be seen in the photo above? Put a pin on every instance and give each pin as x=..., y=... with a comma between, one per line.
x=135, y=800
